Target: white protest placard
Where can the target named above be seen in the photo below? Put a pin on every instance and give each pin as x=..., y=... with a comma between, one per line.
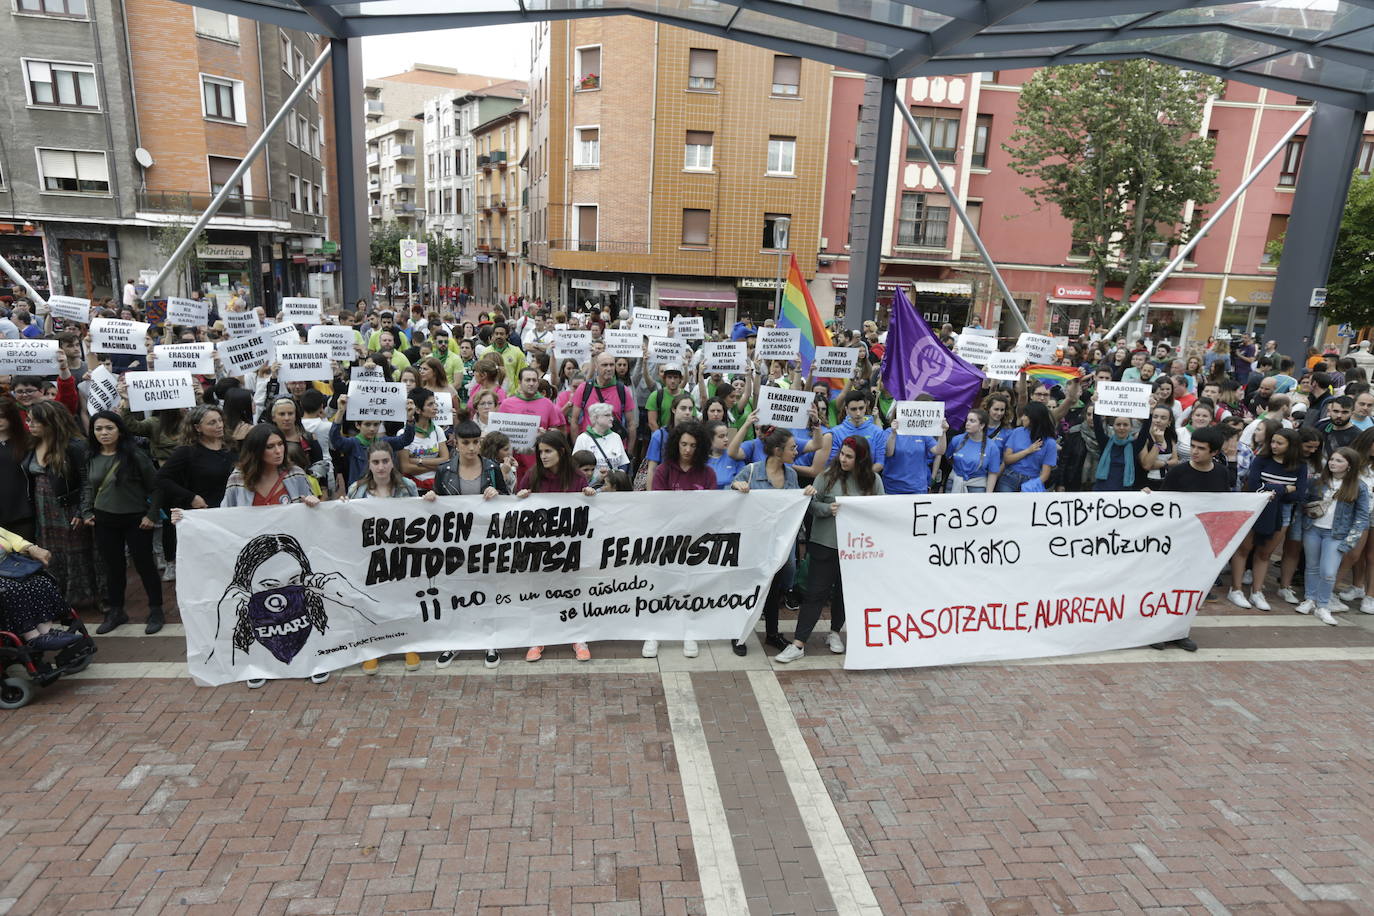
x=919, y=418
x=650, y=322
x=102, y=392
x=624, y=343
x=304, y=363
x=1037, y=347
x=834, y=362
x=690, y=327
x=301, y=310
x=242, y=355
x=980, y=332
x=70, y=308
x=369, y=400
x=339, y=340
x=196, y=358
x=667, y=350
x=28, y=357
x=1042, y=574
x=573, y=345
x=975, y=348
x=160, y=390
x=114, y=335
x=283, y=335
x=784, y=408
x=520, y=428
x=726, y=356
x=366, y=373
x=241, y=324
x=778, y=343
x=1123, y=399
x=443, y=415
x=1006, y=366
x=189, y=313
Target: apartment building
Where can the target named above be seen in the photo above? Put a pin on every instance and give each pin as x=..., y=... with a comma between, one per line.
x=661, y=161
x=395, y=181
x=501, y=146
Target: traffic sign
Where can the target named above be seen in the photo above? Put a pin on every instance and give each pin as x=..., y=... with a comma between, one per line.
x=1318, y=297
x=409, y=256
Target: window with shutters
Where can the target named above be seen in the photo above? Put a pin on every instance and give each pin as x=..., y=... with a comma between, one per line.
x=64, y=171
x=57, y=84
x=588, y=148
x=696, y=228
x=586, y=227
x=700, y=151
x=216, y=25
x=786, y=75
x=588, y=68
x=221, y=170
x=701, y=69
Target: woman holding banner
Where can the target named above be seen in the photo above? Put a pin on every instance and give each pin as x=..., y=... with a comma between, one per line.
x=1030, y=453
x=682, y=409
x=850, y=474
x=195, y=473
x=428, y=450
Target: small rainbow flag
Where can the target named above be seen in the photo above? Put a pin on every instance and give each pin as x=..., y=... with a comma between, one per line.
x=1052, y=375
x=799, y=311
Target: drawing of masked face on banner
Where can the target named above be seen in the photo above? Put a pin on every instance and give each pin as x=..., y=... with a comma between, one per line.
x=277, y=600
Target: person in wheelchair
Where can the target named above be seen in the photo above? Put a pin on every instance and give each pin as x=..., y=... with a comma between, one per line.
x=30, y=601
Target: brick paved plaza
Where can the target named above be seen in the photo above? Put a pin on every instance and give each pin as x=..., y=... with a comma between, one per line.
x=1235, y=780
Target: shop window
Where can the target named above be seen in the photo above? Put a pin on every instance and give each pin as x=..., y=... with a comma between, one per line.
x=696, y=228
x=782, y=155
x=786, y=75
x=700, y=151
x=61, y=85
x=922, y=225
x=701, y=69
x=589, y=68
x=1291, y=161
x=941, y=127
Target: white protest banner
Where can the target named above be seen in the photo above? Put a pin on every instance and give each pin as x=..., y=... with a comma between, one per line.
x=103, y=391
x=520, y=428
x=834, y=362
x=188, y=313
x=726, y=356
x=241, y=324
x=70, y=308
x=1123, y=399
x=919, y=418
x=160, y=390
x=1037, y=347
x=778, y=343
x=573, y=345
x=667, y=350
x=282, y=335
x=650, y=322
x=301, y=310
x=114, y=335
x=367, y=577
x=28, y=357
x=784, y=408
x=242, y=355
x=690, y=327
x=369, y=400
x=980, y=332
x=366, y=373
x=1037, y=574
x=304, y=363
x=975, y=348
x=196, y=358
x=443, y=415
x=624, y=343
x=1006, y=366
x=340, y=340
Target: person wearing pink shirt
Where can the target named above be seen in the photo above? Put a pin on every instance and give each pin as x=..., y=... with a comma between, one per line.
x=528, y=401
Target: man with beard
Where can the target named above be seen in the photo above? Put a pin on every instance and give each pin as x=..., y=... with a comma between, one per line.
x=1337, y=430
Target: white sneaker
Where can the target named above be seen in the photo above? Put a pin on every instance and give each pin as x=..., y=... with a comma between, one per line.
x=1248, y=578
x=1367, y=605
x=834, y=643
x=254, y=683
x=650, y=649
x=1351, y=593
x=1325, y=617
x=320, y=678
x=1258, y=600
x=169, y=573
x=1287, y=594
x=1306, y=607
x=690, y=648
x=1237, y=597
x=790, y=654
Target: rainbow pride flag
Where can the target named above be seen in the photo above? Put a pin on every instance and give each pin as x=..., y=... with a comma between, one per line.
x=1052, y=375
x=799, y=311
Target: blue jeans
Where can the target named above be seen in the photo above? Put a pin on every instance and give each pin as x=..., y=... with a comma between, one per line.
x=1010, y=482
x=1323, y=552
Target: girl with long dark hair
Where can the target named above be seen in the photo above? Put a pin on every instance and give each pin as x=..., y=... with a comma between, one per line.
x=975, y=457
x=1279, y=470
x=1156, y=445
x=17, y=512
x=56, y=467
x=1031, y=451
x=1335, y=520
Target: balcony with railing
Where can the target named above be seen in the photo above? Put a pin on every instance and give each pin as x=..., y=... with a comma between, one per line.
x=404, y=180
x=193, y=203
x=484, y=163
x=405, y=151
x=602, y=245
x=375, y=107
x=374, y=211
x=498, y=158
x=484, y=244
x=374, y=159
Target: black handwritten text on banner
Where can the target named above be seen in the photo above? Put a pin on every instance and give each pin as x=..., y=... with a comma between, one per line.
x=834, y=362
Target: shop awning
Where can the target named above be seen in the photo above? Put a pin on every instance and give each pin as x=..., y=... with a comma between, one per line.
x=697, y=298
x=883, y=286
x=1174, y=298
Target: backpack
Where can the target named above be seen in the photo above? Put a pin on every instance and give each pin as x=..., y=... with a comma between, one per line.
x=617, y=424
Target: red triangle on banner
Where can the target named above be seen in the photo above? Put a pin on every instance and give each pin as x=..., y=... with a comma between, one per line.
x=1222, y=526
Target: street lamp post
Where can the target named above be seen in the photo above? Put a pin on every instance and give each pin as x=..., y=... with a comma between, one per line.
x=1157, y=249
x=781, y=225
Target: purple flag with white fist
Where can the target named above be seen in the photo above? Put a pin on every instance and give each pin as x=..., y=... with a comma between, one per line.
x=915, y=362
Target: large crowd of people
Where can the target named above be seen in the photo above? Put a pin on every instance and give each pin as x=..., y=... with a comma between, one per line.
x=86, y=496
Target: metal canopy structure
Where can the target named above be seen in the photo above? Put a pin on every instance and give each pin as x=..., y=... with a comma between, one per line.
x=1317, y=49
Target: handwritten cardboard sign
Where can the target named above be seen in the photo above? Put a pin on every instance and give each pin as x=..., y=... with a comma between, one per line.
x=778, y=343
x=1005, y=366
x=338, y=339
x=369, y=400
x=1123, y=399
x=366, y=373
x=726, y=356
x=190, y=313
x=114, y=335
x=283, y=334
x=783, y=407
x=160, y=390
x=196, y=358
x=624, y=343
x=835, y=362
x=919, y=418
x=573, y=345
x=690, y=327
x=650, y=322
x=443, y=414
x=242, y=355
x=1037, y=347
x=70, y=308
x=520, y=428
x=102, y=392
x=28, y=357
x=301, y=310
x=667, y=350
x=241, y=324
x=304, y=363
x=975, y=348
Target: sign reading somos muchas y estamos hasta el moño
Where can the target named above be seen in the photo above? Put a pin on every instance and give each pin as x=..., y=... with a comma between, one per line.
x=372, y=577
x=1029, y=575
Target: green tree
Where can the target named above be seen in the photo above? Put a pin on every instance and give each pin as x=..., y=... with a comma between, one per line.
x=1116, y=147
x=384, y=247
x=444, y=253
x=165, y=240
x=1350, y=282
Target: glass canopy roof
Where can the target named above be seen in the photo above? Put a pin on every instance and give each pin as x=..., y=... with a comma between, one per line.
x=1316, y=49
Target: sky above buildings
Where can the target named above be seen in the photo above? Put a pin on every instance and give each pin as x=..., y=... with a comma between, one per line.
x=498, y=50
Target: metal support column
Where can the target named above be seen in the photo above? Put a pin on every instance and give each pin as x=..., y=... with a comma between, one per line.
x=1315, y=222
x=19, y=280
x=350, y=169
x=868, y=216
